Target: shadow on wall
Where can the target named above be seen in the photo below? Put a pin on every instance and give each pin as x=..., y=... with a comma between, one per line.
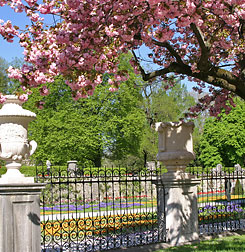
x=34, y=218
x=181, y=215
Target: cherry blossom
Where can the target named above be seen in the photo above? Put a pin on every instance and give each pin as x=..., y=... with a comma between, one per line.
x=23, y=97
x=203, y=40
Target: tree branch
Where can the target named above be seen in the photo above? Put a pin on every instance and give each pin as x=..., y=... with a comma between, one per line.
x=172, y=68
x=203, y=63
x=140, y=67
x=170, y=49
x=200, y=37
x=216, y=76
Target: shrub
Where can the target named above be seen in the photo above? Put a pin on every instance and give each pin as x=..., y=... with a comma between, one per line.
x=238, y=188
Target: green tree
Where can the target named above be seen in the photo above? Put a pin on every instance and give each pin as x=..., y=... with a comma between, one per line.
x=63, y=130
x=118, y=126
x=4, y=80
x=223, y=140
x=162, y=105
x=8, y=86
x=106, y=124
x=125, y=118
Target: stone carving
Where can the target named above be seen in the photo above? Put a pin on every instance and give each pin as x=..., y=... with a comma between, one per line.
x=218, y=170
x=72, y=165
x=14, y=145
x=239, y=169
x=175, y=147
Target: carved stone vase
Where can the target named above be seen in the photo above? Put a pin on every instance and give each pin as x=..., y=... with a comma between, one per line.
x=175, y=146
x=14, y=145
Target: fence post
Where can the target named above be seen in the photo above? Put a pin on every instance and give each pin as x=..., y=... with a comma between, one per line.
x=20, y=217
x=177, y=190
x=19, y=195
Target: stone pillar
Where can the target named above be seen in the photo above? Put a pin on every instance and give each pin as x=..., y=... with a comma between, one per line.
x=72, y=165
x=177, y=190
x=20, y=217
x=19, y=195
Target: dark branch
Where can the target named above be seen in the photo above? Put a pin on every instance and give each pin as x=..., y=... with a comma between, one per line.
x=140, y=67
x=216, y=77
x=200, y=37
x=203, y=63
x=172, y=68
x=170, y=49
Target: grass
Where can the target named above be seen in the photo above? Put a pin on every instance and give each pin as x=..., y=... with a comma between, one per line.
x=225, y=244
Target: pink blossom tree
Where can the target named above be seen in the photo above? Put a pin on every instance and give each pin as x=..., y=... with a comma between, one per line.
x=203, y=40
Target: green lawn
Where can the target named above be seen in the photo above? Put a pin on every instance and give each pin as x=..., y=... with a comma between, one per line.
x=225, y=244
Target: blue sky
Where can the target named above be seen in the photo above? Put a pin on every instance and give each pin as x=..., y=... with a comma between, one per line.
x=8, y=50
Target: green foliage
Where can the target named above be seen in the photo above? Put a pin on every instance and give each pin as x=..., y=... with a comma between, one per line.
x=4, y=81
x=223, y=140
x=149, y=145
x=62, y=130
x=161, y=105
x=171, y=105
x=105, y=124
x=238, y=188
x=28, y=171
x=8, y=86
x=3, y=170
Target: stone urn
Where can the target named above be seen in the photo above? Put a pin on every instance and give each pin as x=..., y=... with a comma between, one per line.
x=177, y=190
x=14, y=145
x=175, y=146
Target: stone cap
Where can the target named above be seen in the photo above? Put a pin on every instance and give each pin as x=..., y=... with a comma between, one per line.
x=162, y=125
x=13, y=107
x=31, y=188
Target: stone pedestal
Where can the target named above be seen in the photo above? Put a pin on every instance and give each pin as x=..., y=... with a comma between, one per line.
x=14, y=176
x=20, y=217
x=72, y=165
x=177, y=190
x=178, y=203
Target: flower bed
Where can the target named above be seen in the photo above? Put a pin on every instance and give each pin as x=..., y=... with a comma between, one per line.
x=215, y=196
x=119, y=203
x=220, y=212
x=99, y=225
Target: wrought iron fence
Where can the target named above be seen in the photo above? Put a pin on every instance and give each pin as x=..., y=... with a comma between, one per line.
x=96, y=209
x=221, y=199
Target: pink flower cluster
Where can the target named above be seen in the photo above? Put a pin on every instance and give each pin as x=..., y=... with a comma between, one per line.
x=216, y=101
x=8, y=31
x=88, y=37
x=2, y=98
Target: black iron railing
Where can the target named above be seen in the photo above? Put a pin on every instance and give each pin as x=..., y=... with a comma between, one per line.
x=221, y=199
x=96, y=209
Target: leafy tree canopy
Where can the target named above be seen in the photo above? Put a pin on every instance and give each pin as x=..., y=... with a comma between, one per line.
x=106, y=124
x=7, y=85
x=162, y=105
x=223, y=140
